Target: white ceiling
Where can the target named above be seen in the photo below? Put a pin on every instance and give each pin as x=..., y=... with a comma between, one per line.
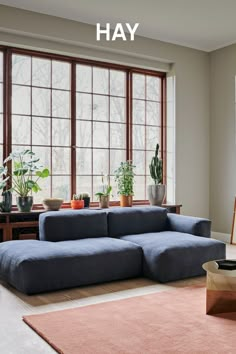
x=200, y=24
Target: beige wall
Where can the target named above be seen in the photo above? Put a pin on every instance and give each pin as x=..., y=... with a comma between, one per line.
x=191, y=68
x=223, y=138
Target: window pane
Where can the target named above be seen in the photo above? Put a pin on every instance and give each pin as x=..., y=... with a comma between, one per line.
x=138, y=112
x=60, y=132
x=61, y=75
x=117, y=83
x=100, y=107
x=61, y=187
x=20, y=99
x=116, y=157
x=1, y=67
x=21, y=69
x=83, y=134
x=1, y=130
x=139, y=137
x=153, y=88
x=100, y=135
x=153, y=113
x=138, y=86
x=139, y=162
x=41, y=72
x=139, y=188
x=1, y=97
x=41, y=131
x=45, y=185
x=84, y=185
x=83, y=106
x=21, y=130
x=100, y=80
x=153, y=135
x=100, y=161
x=61, y=161
x=40, y=102
x=83, y=161
x=60, y=104
x=117, y=107
x=83, y=78
x=44, y=154
x=117, y=135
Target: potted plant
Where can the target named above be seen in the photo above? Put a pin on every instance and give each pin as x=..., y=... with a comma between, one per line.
x=124, y=177
x=77, y=202
x=86, y=199
x=156, y=191
x=6, y=204
x=25, y=173
x=104, y=195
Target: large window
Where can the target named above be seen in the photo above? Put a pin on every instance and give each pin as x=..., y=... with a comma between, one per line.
x=41, y=117
x=100, y=124
x=146, y=128
x=82, y=118
x=1, y=106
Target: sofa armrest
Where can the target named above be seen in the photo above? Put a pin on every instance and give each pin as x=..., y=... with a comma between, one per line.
x=189, y=224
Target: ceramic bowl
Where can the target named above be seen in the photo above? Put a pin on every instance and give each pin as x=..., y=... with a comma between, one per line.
x=52, y=203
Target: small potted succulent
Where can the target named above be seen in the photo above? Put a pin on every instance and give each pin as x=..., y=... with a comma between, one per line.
x=104, y=195
x=86, y=199
x=156, y=191
x=77, y=201
x=124, y=177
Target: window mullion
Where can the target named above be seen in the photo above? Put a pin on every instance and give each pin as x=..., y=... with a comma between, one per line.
x=73, y=128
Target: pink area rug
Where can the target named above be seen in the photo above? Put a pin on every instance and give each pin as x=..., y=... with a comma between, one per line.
x=164, y=322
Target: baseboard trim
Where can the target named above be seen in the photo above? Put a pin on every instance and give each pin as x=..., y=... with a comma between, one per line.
x=221, y=236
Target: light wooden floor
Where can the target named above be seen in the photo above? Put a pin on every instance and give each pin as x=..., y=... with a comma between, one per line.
x=17, y=338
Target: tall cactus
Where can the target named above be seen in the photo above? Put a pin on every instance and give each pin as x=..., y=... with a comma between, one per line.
x=155, y=167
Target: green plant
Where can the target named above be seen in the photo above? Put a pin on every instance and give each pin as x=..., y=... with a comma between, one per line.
x=156, y=167
x=77, y=197
x=106, y=188
x=124, y=177
x=85, y=195
x=25, y=172
x=3, y=174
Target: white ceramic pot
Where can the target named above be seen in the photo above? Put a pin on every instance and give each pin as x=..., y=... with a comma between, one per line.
x=156, y=193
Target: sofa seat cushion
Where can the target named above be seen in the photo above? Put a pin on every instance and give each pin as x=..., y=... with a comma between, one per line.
x=38, y=266
x=172, y=255
x=136, y=220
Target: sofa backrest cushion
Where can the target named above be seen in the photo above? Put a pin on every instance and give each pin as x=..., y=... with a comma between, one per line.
x=72, y=225
x=136, y=220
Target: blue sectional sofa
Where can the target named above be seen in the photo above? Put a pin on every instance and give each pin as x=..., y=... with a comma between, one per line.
x=93, y=246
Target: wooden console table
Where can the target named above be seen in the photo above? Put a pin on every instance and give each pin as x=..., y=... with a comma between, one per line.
x=20, y=226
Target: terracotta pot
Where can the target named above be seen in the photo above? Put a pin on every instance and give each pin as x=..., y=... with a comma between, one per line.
x=104, y=201
x=126, y=200
x=77, y=204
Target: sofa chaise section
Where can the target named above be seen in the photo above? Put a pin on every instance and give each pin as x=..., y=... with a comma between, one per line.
x=170, y=255
x=174, y=246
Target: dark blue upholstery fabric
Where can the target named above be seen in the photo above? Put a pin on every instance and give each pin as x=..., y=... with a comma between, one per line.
x=136, y=220
x=172, y=255
x=72, y=225
x=189, y=225
x=36, y=266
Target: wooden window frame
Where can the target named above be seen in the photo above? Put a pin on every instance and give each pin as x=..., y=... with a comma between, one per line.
x=7, y=95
